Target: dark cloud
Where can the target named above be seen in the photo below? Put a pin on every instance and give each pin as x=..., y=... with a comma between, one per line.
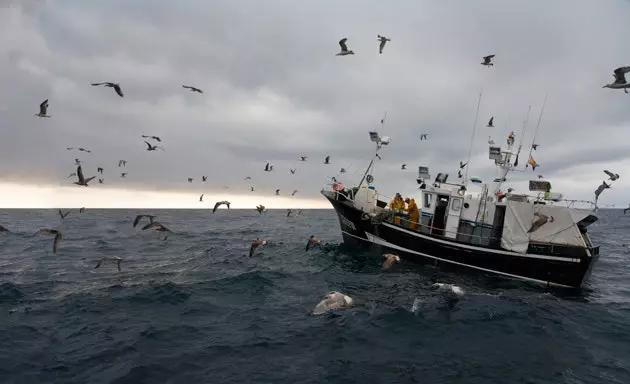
x=274, y=89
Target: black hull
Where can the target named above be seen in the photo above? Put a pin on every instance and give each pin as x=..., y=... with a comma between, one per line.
x=552, y=270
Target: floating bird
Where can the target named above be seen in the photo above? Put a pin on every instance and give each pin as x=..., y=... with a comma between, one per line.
x=100, y=181
x=190, y=179
x=289, y=212
x=122, y=163
x=204, y=178
x=82, y=210
x=139, y=217
x=260, y=208
x=540, y=221
x=82, y=180
x=448, y=287
x=344, y=48
x=123, y=175
x=152, y=147
x=219, y=203
x=534, y=146
x=390, y=259
x=600, y=189
x=3, y=229
x=620, y=79
x=57, y=237
x=152, y=137
x=487, y=60
x=255, y=244
x=294, y=192
x=201, y=197
x=277, y=192
x=491, y=123
x=63, y=215
x=303, y=158
x=462, y=164
x=540, y=176
x=403, y=167
x=292, y=171
x=312, y=242
x=99, y=170
x=114, y=259
x=71, y=175
x=193, y=89
x=611, y=176
x=332, y=300
x=342, y=170
x=327, y=160
x=424, y=136
x=383, y=41
x=43, y=109
x=111, y=85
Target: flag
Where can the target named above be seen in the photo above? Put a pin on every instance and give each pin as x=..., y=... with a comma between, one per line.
x=532, y=162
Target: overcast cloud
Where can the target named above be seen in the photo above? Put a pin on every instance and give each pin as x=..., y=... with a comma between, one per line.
x=274, y=90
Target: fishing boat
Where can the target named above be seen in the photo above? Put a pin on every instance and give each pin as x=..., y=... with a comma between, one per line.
x=537, y=236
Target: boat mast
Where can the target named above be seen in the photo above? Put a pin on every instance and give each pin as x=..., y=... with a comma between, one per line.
x=504, y=166
x=542, y=109
x=379, y=144
x=472, y=139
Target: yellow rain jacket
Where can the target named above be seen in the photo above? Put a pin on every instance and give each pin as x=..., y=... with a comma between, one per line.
x=414, y=214
x=397, y=204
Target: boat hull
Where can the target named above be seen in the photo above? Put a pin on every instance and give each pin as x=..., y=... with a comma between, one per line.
x=359, y=229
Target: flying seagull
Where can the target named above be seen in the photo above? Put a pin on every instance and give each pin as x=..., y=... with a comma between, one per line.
x=152, y=147
x=277, y=192
x=312, y=242
x=383, y=41
x=152, y=137
x=193, y=89
x=303, y=158
x=268, y=167
x=43, y=109
x=327, y=160
x=289, y=212
x=77, y=162
x=260, y=208
x=390, y=259
x=459, y=173
x=491, y=123
x=84, y=150
x=122, y=163
x=611, y=176
x=462, y=164
x=219, y=203
x=204, y=178
x=123, y=175
x=251, y=189
x=82, y=180
x=534, y=146
x=540, y=176
x=63, y=215
x=139, y=217
x=111, y=85
x=342, y=170
x=487, y=60
x=292, y=171
x=190, y=179
x=403, y=167
x=332, y=300
x=379, y=156
x=344, y=48
x=620, y=79
x=100, y=181
x=158, y=227
x=255, y=244
x=294, y=192
x=248, y=178
x=57, y=237
x=490, y=141
x=114, y=259
x=99, y=170
x=624, y=212
x=600, y=189
x=540, y=221
x=424, y=136
x=201, y=197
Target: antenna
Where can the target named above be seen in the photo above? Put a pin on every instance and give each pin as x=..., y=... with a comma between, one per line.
x=542, y=109
x=520, y=143
x=473, y=134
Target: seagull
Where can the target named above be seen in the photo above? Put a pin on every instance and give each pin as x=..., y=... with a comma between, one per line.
x=139, y=217
x=123, y=175
x=403, y=167
x=71, y=175
x=114, y=259
x=122, y=162
x=190, y=179
x=332, y=300
x=57, y=237
x=379, y=156
x=462, y=165
x=487, y=60
x=277, y=192
x=491, y=122
x=204, y=178
x=540, y=176
x=255, y=244
x=390, y=259
x=152, y=137
x=260, y=208
x=383, y=41
x=267, y=168
x=69, y=148
x=248, y=178
x=344, y=48
x=289, y=212
x=448, y=287
x=312, y=242
x=624, y=212
x=611, y=176
x=252, y=189
x=82, y=181
x=43, y=109
x=540, y=221
x=342, y=170
x=63, y=215
x=111, y=85
x=303, y=158
x=84, y=150
x=299, y=212
x=293, y=171
x=327, y=160
x=100, y=181
x=152, y=147
x=158, y=227
x=3, y=229
x=294, y=192
x=620, y=79
x=99, y=170
x=424, y=136
x=219, y=203
x=600, y=189
x=201, y=197
x=193, y=89
x=534, y=146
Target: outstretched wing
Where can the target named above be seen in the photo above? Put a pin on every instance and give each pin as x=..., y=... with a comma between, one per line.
x=609, y=173
x=80, y=174
x=151, y=225
x=620, y=74
x=216, y=205
x=342, y=43
x=388, y=263
x=118, y=90
x=488, y=58
x=43, y=107
x=89, y=179
x=148, y=145
x=56, y=241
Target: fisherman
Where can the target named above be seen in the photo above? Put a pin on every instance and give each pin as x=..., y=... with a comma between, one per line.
x=414, y=214
x=398, y=206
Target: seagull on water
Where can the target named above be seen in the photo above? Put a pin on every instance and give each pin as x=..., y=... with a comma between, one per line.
x=219, y=203
x=487, y=60
x=449, y=288
x=611, y=176
x=491, y=122
x=390, y=259
x=152, y=147
x=344, y=48
x=540, y=221
x=383, y=41
x=43, y=109
x=111, y=85
x=82, y=180
x=152, y=137
x=57, y=237
x=620, y=79
x=255, y=244
x=139, y=217
x=332, y=300
x=312, y=242
x=113, y=259
x=193, y=89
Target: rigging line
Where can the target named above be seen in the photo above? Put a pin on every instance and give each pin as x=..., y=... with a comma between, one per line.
x=473, y=134
x=523, y=130
x=542, y=109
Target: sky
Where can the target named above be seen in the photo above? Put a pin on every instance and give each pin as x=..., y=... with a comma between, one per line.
x=274, y=91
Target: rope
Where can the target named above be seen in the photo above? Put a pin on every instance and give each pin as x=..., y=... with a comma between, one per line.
x=473, y=134
x=537, y=126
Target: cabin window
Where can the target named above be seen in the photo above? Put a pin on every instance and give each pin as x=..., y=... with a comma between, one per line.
x=456, y=205
x=427, y=200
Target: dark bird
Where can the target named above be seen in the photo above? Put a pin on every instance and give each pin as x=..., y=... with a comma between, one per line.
x=114, y=259
x=487, y=60
x=3, y=229
x=403, y=167
x=43, y=109
x=71, y=175
x=84, y=150
x=255, y=244
x=390, y=259
x=193, y=89
x=219, y=203
x=139, y=217
x=534, y=146
x=344, y=48
x=303, y=158
x=379, y=156
x=299, y=212
x=201, y=197
x=152, y=147
x=82, y=210
x=100, y=181
x=342, y=170
x=63, y=215
x=620, y=79
x=123, y=175
x=611, y=176
x=248, y=178
x=383, y=41
x=190, y=179
x=312, y=242
x=462, y=164
x=99, y=170
x=122, y=163
x=152, y=137
x=69, y=148
x=251, y=189
x=540, y=176
x=540, y=221
x=158, y=227
x=77, y=162
x=289, y=212
x=111, y=85
x=600, y=189
x=268, y=167
x=294, y=192
x=624, y=212
x=327, y=160
x=424, y=136
x=292, y=171
x=82, y=180
x=57, y=237
x=491, y=123
x=260, y=208
x=277, y=192
x=204, y=178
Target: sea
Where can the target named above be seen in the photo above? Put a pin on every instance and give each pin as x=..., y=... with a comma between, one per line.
x=195, y=308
